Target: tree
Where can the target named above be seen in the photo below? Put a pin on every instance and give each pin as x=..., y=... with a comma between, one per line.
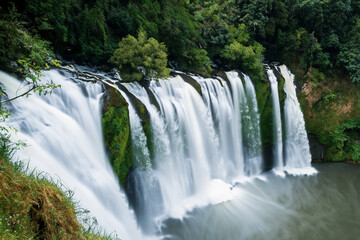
x=141, y=57
x=240, y=53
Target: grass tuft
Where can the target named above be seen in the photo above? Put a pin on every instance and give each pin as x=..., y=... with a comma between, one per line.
x=33, y=206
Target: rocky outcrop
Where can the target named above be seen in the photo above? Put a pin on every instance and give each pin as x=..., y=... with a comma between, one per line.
x=316, y=148
x=117, y=134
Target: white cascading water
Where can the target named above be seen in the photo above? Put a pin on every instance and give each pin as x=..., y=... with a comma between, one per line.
x=297, y=150
x=64, y=139
x=193, y=159
x=180, y=148
x=246, y=113
x=277, y=129
x=228, y=155
x=144, y=182
x=251, y=129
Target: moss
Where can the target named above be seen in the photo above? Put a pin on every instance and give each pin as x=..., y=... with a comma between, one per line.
x=144, y=116
x=263, y=95
x=146, y=124
x=117, y=134
x=117, y=131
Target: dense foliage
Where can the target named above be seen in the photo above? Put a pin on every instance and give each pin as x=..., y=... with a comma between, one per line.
x=344, y=141
x=141, y=57
x=236, y=33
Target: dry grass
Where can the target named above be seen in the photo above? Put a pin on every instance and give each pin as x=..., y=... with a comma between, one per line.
x=34, y=207
x=312, y=96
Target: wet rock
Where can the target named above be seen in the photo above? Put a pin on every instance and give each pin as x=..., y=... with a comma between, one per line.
x=316, y=149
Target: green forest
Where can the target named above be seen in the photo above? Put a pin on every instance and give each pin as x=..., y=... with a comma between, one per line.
x=197, y=35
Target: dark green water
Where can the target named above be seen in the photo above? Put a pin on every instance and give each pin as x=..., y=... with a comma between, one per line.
x=322, y=206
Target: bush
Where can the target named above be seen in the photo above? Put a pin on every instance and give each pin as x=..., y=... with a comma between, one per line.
x=349, y=58
x=344, y=142
x=16, y=42
x=198, y=62
x=141, y=57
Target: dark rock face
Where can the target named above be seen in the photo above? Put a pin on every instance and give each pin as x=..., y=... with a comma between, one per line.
x=145, y=82
x=268, y=158
x=317, y=150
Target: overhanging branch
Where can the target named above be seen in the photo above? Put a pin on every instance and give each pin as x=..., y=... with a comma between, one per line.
x=21, y=95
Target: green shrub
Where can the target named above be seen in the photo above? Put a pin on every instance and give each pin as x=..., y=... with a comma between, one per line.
x=344, y=142
x=141, y=57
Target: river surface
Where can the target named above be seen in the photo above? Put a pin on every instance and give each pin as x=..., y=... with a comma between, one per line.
x=321, y=206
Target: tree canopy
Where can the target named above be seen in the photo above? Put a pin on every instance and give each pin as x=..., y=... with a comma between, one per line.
x=141, y=57
x=320, y=34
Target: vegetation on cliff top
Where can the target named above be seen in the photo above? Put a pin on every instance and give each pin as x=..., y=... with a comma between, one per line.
x=141, y=57
x=315, y=34
x=329, y=106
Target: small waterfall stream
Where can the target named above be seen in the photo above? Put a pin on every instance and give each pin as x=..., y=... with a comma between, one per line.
x=251, y=125
x=297, y=150
x=277, y=129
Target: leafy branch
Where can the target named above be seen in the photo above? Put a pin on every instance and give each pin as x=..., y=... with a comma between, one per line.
x=32, y=73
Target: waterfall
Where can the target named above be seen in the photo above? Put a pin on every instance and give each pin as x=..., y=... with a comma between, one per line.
x=181, y=146
x=297, y=150
x=228, y=155
x=277, y=129
x=246, y=110
x=192, y=157
x=199, y=140
x=64, y=139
